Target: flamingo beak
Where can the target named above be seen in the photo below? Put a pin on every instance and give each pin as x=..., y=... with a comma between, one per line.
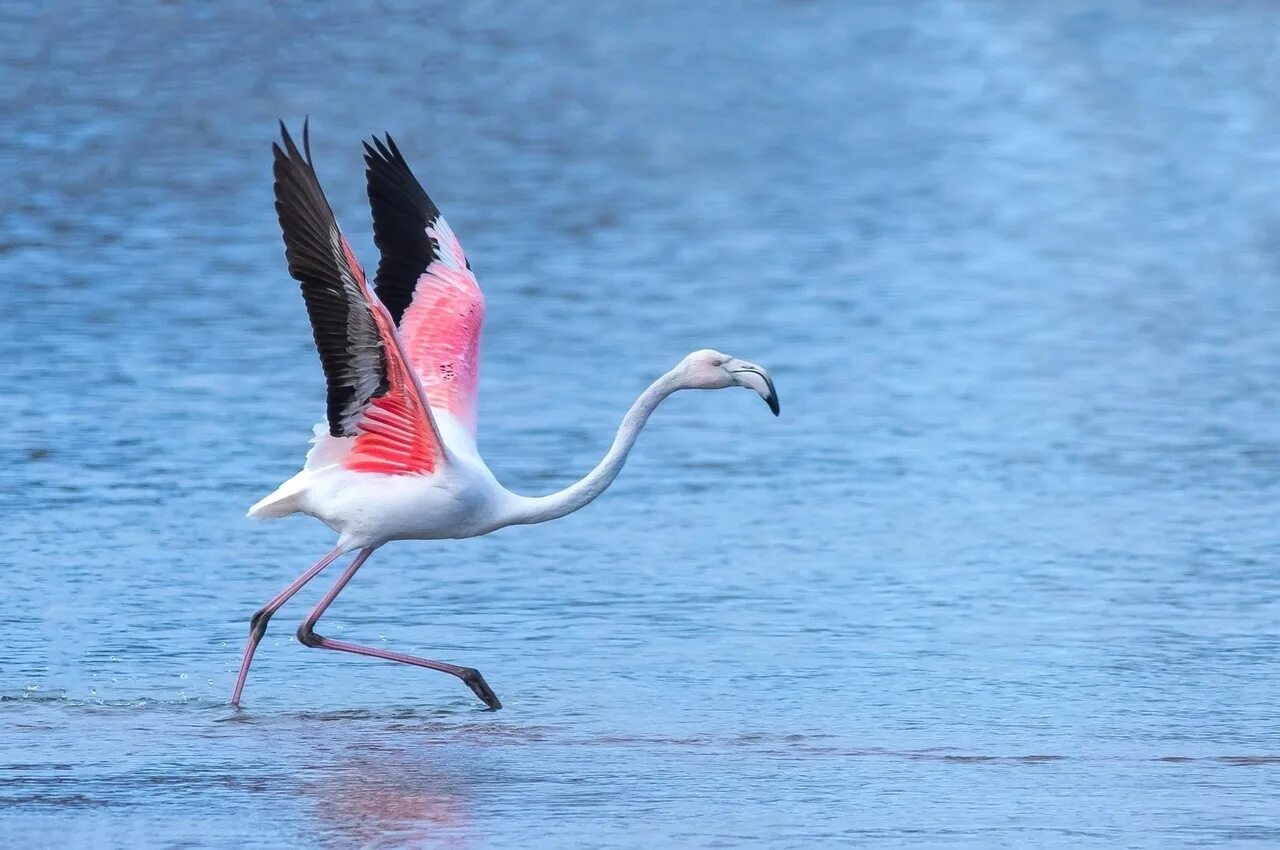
x=754, y=377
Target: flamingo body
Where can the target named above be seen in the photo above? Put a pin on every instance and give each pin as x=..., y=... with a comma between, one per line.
x=367, y=509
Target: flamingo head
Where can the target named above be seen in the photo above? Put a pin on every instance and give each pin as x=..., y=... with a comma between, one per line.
x=713, y=370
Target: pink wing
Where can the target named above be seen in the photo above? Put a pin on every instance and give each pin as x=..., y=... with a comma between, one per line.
x=372, y=396
x=426, y=283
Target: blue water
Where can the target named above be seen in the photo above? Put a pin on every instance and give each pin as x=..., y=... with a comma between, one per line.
x=1004, y=573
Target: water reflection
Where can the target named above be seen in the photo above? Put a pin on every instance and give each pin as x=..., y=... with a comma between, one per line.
x=390, y=798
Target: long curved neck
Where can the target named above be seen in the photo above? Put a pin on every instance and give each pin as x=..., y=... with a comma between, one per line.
x=527, y=510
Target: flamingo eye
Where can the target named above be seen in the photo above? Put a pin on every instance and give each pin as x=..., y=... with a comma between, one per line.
x=717, y=362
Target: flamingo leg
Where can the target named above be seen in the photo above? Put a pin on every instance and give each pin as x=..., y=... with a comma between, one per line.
x=258, y=624
x=308, y=637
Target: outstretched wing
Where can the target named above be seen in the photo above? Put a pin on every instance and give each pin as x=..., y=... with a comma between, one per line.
x=426, y=283
x=372, y=395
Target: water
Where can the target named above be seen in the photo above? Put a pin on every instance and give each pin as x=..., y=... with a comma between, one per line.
x=1003, y=574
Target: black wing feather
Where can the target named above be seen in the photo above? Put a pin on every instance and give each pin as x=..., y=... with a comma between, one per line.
x=402, y=212
x=346, y=335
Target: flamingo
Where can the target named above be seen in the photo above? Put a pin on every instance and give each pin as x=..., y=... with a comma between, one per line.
x=396, y=457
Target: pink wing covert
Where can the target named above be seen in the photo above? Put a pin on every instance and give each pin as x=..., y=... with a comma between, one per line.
x=441, y=329
x=426, y=283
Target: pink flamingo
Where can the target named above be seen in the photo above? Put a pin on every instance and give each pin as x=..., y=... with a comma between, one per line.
x=396, y=458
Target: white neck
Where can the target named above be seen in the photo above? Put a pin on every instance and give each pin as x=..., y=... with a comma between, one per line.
x=527, y=510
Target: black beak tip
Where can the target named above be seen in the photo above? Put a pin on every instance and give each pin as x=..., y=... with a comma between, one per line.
x=772, y=401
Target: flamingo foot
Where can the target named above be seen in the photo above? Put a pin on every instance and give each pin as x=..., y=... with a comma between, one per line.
x=480, y=687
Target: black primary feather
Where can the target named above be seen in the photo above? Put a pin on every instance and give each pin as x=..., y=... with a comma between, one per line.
x=346, y=335
x=402, y=212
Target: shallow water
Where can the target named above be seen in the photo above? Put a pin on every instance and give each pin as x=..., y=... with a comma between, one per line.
x=1002, y=574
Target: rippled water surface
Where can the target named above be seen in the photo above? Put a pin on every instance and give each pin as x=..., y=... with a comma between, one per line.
x=1004, y=573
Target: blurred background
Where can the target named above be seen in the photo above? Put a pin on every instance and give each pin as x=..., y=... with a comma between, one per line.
x=1002, y=574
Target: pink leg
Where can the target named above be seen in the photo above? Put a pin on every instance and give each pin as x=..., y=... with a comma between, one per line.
x=308, y=637
x=258, y=625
